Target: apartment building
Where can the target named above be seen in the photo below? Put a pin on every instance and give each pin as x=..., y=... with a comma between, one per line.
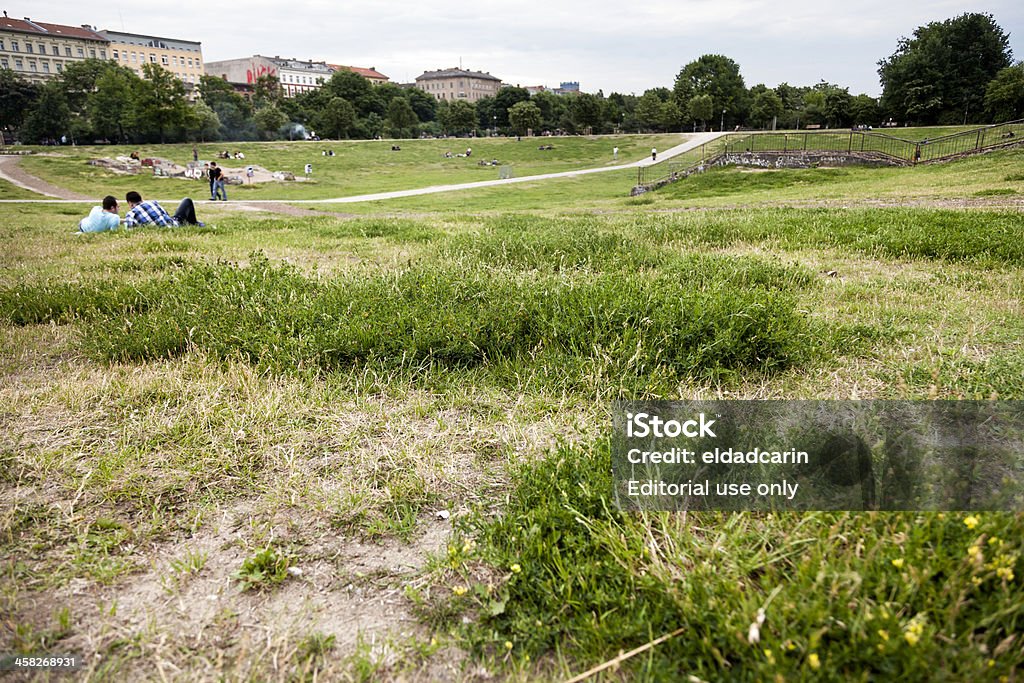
x=39, y=51
x=295, y=75
x=183, y=58
x=375, y=77
x=459, y=84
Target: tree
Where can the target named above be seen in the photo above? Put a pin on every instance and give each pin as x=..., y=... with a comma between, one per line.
x=233, y=110
x=940, y=75
x=16, y=97
x=1004, y=95
x=524, y=116
x=864, y=110
x=269, y=122
x=423, y=103
x=160, y=104
x=585, y=111
x=837, y=107
x=337, y=119
x=110, y=104
x=267, y=92
x=507, y=98
x=203, y=123
x=766, y=108
x=356, y=90
x=401, y=117
x=718, y=76
x=49, y=116
x=701, y=108
x=671, y=115
x=458, y=117
x=648, y=108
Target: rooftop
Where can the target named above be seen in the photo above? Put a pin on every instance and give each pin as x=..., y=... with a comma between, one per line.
x=39, y=28
x=455, y=73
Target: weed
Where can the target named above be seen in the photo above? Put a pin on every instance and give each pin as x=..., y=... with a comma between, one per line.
x=264, y=570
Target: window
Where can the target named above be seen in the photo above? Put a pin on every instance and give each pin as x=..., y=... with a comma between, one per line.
x=14, y=46
x=133, y=58
x=18, y=64
x=190, y=61
x=103, y=54
x=46, y=67
x=67, y=50
x=60, y=67
x=81, y=52
x=42, y=49
x=152, y=58
x=2, y=45
x=163, y=60
x=4, y=64
x=32, y=66
x=92, y=52
x=174, y=60
x=55, y=50
x=28, y=48
x=116, y=56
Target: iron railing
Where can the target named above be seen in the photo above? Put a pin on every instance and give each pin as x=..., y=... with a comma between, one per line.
x=877, y=145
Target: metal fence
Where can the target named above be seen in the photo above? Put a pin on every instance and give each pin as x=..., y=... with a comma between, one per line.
x=878, y=145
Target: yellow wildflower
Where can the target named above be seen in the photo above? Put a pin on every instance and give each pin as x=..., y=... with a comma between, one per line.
x=970, y=521
x=1005, y=573
x=516, y=569
x=769, y=656
x=508, y=644
x=459, y=590
x=814, y=661
x=898, y=563
x=911, y=638
x=883, y=634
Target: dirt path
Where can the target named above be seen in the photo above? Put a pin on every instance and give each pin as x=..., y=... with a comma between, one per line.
x=12, y=172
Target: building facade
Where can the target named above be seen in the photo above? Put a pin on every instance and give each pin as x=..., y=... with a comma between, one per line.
x=458, y=84
x=183, y=58
x=296, y=76
x=371, y=74
x=39, y=51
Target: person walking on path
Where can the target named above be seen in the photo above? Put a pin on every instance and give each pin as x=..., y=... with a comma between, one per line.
x=654, y=153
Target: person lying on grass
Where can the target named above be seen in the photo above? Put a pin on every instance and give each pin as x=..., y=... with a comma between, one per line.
x=151, y=213
x=101, y=218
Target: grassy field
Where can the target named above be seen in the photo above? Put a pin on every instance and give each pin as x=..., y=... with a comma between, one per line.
x=375, y=446
x=358, y=167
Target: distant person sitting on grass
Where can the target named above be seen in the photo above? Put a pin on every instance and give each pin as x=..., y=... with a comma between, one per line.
x=151, y=213
x=101, y=218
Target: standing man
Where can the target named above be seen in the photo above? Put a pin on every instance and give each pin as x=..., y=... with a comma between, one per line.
x=214, y=174
x=615, y=153
x=654, y=153
x=151, y=213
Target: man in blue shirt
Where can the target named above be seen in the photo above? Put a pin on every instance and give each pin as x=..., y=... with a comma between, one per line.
x=101, y=218
x=151, y=213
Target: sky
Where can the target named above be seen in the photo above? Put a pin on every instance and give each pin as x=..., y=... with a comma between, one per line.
x=617, y=46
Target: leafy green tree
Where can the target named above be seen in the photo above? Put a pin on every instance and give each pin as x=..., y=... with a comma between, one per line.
x=423, y=103
x=267, y=92
x=160, y=104
x=355, y=89
x=718, y=76
x=524, y=116
x=337, y=119
x=233, y=110
x=837, y=107
x=671, y=116
x=110, y=105
x=766, y=108
x=701, y=108
x=401, y=117
x=203, y=123
x=507, y=97
x=551, y=106
x=269, y=122
x=940, y=74
x=1004, y=95
x=864, y=110
x=648, y=108
x=49, y=116
x=17, y=95
x=585, y=111
x=458, y=117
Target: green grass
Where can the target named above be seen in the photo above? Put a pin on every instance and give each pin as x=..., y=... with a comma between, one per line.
x=359, y=167
x=192, y=412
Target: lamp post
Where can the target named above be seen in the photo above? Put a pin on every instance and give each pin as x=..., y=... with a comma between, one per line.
x=494, y=130
x=721, y=128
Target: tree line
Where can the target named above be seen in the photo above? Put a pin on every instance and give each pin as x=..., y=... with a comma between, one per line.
x=951, y=72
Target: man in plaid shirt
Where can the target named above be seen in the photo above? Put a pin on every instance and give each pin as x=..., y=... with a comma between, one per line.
x=151, y=213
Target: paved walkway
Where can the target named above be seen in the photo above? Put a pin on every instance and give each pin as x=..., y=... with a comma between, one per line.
x=12, y=172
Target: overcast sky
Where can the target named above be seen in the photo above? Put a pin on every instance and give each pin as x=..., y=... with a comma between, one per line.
x=623, y=47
